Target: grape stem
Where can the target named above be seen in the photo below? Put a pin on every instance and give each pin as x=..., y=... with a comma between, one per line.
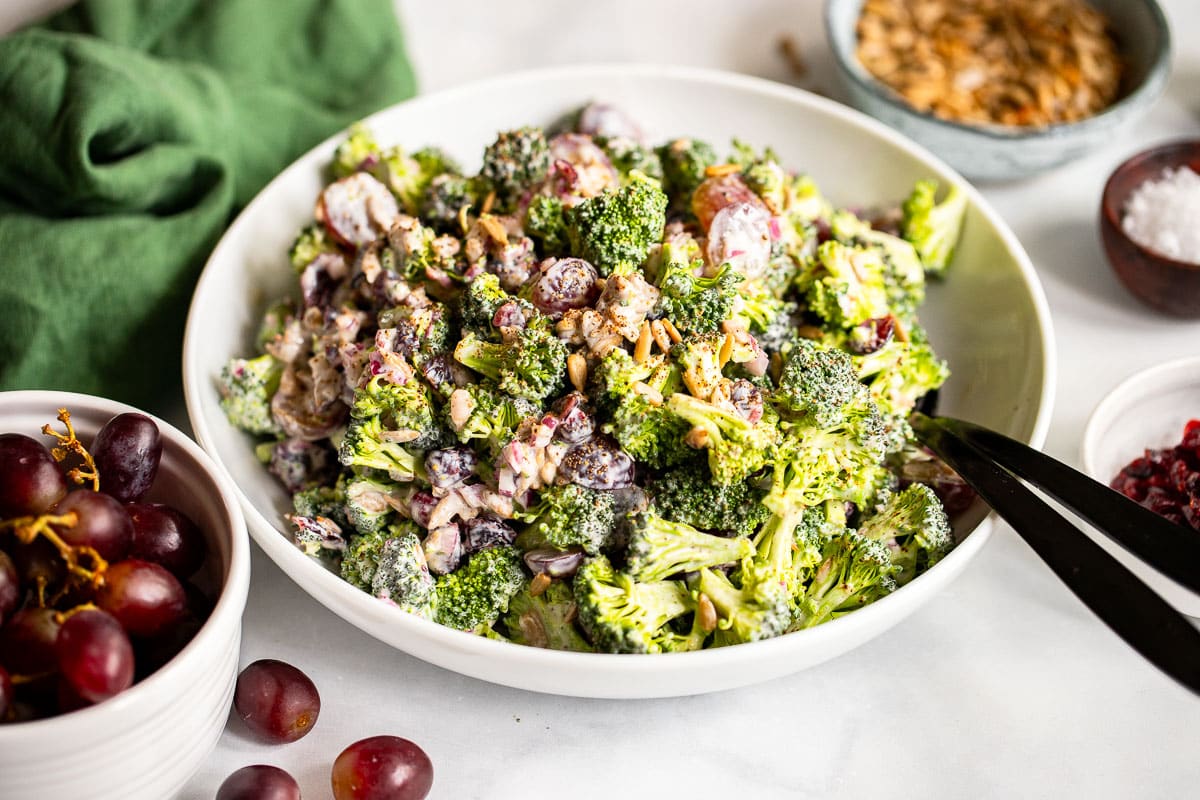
x=69, y=443
x=26, y=529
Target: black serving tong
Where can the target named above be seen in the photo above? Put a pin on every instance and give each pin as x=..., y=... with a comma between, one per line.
x=994, y=465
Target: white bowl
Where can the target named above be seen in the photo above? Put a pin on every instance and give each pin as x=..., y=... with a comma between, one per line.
x=1146, y=411
x=146, y=742
x=989, y=319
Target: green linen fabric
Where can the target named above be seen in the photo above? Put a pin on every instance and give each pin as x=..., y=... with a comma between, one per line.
x=131, y=132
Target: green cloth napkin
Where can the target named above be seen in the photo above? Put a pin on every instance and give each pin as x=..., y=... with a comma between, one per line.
x=131, y=132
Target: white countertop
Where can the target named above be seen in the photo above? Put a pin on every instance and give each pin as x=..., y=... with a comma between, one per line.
x=1005, y=686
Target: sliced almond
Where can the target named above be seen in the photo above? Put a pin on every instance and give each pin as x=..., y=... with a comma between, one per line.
x=721, y=170
x=697, y=438
x=672, y=331
x=539, y=584
x=706, y=614
x=654, y=396
x=726, y=351
x=641, y=351
x=660, y=336
x=494, y=229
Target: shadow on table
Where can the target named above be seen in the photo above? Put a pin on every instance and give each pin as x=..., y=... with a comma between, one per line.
x=1072, y=253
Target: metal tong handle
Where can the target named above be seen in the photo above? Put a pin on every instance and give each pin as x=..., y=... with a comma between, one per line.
x=1144, y=620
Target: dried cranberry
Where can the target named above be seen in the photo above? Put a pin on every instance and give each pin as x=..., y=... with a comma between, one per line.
x=872, y=335
x=421, y=508
x=575, y=422
x=598, y=463
x=452, y=465
x=484, y=532
x=509, y=315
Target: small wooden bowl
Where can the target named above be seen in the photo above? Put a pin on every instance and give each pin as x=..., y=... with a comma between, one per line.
x=1165, y=284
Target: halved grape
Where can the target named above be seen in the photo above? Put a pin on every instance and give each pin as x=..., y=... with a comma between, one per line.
x=27, y=641
x=259, y=782
x=30, y=480
x=127, y=450
x=95, y=655
x=167, y=537
x=102, y=523
x=277, y=702
x=143, y=597
x=382, y=768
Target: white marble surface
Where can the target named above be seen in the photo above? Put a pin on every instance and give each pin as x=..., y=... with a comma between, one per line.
x=1005, y=687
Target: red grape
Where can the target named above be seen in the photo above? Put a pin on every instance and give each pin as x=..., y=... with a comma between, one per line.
x=166, y=536
x=382, y=768
x=6, y=693
x=30, y=480
x=95, y=655
x=127, y=450
x=67, y=698
x=259, y=782
x=27, y=641
x=103, y=524
x=143, y=597
x=39, y=564
x=277, y=702
x=10, y=586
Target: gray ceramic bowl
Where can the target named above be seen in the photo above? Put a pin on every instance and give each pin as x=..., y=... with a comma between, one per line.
x=998, y=153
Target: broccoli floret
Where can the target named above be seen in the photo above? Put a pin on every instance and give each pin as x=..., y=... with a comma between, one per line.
x=628, y=157
x=390, y=564
x=769, y=181
x=934, y=228
x=479, y=301
x=737, y=448
x=517, y=161
x=420, y=332
x=443, y=201
x=760, y=311
x=546, y=223
x=915, y=528
x=405, y=410
x=436, y=161
x=479, y=592
x=246, y=386
x=487, y=414
x=855, y=570
x=358, y=152
x=365, y=445
x=640, y=422
x=569, y=516
x=274, y=321
x=847, y=288
x=696, y=305
x=659, y=548
x=698, y=357
x=615, y=230
x=531, y=365
x=898, y=375
x=546, y=620
x=760, y=609
x=904, y=276
x=323, y=501
x=819, y=381
x=412, y=253
x=688, y=495
x=621, y=615
x=683, y=164
x=369, y=502
x=310, y=243
x=408, y=176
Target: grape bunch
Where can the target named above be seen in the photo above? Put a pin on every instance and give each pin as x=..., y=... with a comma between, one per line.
x=95, y=582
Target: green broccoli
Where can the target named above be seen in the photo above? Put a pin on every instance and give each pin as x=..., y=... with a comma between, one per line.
x=366, y=445
x=311, y=242
x=698, y=357
x=687, y=494
x=444, y=199
x=404, y=410
x=546, y=620
x=934, y=228
x=408, y=176
x=847, y=288
x=759, y=310
x=696, y=305
x=819, y=381
x=358, y=151
x=854, y=571
x=436, y=161
x=421, y=332
x=366, y=501
x=684, y=162
x=274, y=321
x=629, y=157
x=915, y=528
x=737, y=448
x=621, y=615
x=532, y=365
x=900, y=373
x=903, y=275
x=487, y=414
x=769, y=181
x=517, y=161
x=659, y=548
x=615, y=230
x=478, y=304
x=246, y=386
x=390, y=564
x=323, y=501
x=478, y=592
x=640, y=422
x=760, y=608
x=569, y=516
x=546, y=223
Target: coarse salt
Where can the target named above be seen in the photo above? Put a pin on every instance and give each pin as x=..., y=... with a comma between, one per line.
x=1164, y=215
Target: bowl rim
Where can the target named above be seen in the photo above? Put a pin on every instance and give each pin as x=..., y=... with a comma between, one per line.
x=1111, y=214
x=1151, y=86
x=274, y=541
x=230, y=603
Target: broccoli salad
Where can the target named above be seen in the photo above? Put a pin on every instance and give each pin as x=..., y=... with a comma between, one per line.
x=602, y=395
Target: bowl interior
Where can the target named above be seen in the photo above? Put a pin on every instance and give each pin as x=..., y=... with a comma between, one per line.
x=988, y=318
x=1140, y=29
